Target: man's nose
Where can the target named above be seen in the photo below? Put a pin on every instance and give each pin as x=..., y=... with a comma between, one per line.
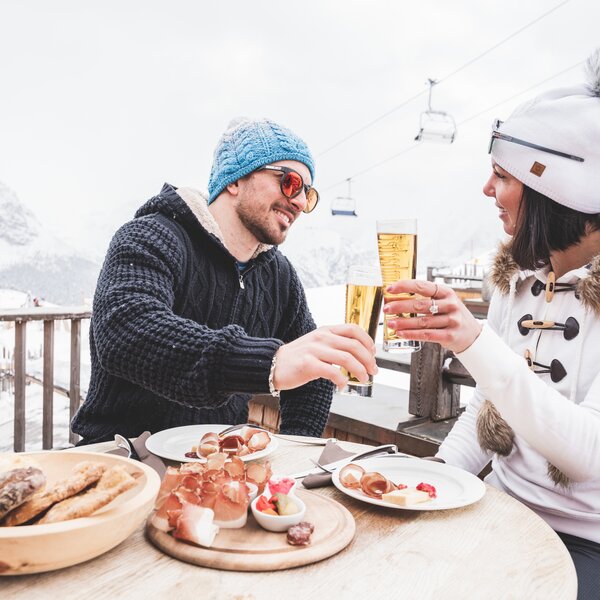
x=299, y=202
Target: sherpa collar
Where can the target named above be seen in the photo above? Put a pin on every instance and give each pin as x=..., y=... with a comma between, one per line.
x=504, y=269
x=197, y=203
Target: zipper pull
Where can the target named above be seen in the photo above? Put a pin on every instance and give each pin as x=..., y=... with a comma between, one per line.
x=242, y=282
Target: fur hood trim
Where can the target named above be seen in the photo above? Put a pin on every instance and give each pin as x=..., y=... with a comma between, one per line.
x=504, y=269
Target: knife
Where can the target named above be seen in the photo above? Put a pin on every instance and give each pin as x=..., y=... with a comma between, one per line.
x=387, y=449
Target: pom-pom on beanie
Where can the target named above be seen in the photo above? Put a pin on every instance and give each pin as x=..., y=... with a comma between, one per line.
x=249, y=144
x=567, y=120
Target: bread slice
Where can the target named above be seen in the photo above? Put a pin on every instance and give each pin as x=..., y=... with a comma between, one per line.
x=406, y=497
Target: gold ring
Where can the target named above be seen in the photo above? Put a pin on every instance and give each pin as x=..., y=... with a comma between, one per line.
x=435, y=293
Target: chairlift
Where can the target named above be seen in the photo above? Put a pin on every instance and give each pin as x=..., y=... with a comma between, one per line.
x=344, y=205
x=435, y=125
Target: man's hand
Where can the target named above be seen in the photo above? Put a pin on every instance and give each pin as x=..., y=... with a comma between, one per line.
x=320, y=353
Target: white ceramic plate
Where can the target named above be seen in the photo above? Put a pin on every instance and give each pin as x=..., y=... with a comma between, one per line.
x=174, y=443
x=454, y=486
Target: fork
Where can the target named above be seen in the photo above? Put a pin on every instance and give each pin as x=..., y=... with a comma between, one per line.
x=125, y=444
x=316, y=442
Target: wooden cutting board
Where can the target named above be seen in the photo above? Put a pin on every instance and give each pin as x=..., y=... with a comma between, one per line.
x=252, y=548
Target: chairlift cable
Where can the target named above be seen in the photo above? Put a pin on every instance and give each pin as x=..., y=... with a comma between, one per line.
x=512, y=35
x=451, y=74
x=466, y=120
x=577, y=64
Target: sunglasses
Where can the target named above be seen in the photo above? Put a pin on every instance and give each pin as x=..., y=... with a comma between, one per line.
x=291, y=184
x=496, y=135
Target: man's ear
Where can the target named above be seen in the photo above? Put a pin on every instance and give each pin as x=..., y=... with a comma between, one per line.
x=233, y=188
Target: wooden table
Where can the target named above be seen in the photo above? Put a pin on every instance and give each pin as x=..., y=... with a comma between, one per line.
x=496, y=548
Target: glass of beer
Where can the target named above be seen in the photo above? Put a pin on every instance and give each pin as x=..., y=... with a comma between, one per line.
x=364, y=297
x=397, y=244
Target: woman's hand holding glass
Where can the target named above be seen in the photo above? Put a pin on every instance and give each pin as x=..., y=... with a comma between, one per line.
x=442, y=317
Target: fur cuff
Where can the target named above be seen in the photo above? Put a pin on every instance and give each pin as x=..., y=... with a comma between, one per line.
x=558, y=477
x=493, y=432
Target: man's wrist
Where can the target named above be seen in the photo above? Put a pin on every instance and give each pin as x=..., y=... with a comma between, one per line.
x=272, y=390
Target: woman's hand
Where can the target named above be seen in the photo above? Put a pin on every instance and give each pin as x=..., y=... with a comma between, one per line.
x=446, y=320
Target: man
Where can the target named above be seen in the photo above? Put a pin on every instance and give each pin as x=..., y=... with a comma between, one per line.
x=196, y=310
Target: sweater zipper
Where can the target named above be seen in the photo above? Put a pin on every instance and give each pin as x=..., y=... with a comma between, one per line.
x=241, y=276
x=237, y=296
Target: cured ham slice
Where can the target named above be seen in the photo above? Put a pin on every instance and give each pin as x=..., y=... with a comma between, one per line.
x=186, y=495
x=231, y=506
x=223, y=490
x=216, y=461
x=246, y=441
x=248, y=432
x=165, y=518
x=195, y=524
x=232, y=444
x=235, y=467
x=259, y=441
x=259, y=474
x=375, y=484
x=209, y=444
x=193, y=467
x=350, y=476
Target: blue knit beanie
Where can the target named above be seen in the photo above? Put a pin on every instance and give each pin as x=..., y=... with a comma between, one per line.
x=249, y=144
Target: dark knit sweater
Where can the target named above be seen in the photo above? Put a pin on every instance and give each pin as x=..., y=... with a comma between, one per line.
x=178, y=337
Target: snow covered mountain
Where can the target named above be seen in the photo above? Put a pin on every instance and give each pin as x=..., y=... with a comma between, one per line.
x=34, y=261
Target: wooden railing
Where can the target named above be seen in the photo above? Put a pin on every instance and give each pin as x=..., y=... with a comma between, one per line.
x=20, y=317
x=435, y=375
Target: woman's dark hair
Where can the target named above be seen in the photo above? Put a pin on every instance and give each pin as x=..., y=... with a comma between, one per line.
x=543, y=226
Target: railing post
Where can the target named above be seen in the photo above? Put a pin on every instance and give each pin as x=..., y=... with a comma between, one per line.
x=74, y=386
x=430, y=395
x=19, y=358
x=48, y=383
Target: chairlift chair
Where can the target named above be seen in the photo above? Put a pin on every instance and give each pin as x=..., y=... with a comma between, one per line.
x=435, y=125
x=344, y=205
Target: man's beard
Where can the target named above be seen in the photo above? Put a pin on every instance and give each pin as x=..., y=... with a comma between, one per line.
x=261, y=228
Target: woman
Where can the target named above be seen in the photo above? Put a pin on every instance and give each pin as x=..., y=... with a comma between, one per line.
x=536, y=410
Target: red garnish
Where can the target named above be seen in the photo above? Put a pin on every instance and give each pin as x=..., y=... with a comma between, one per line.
x=283, y=485
x=262, y=504
x=427, y=487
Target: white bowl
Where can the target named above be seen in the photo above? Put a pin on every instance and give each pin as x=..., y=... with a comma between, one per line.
x=279, y=523
x=39, y=548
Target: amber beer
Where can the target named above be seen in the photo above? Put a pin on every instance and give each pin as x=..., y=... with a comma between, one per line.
x=364, y=297
x=397, y=244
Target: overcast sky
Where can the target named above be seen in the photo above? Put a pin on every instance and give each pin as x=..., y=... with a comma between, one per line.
x=101, y=102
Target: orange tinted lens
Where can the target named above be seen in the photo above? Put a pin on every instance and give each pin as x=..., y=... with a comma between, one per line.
x=312, y=197
x=291, y=184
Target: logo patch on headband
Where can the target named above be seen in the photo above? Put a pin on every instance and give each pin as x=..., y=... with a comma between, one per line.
x=537, y=168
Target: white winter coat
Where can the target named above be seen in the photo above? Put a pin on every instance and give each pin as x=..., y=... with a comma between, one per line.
x=556, y=424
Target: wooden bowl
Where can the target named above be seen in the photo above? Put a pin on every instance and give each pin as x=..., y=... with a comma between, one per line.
x=39, y=548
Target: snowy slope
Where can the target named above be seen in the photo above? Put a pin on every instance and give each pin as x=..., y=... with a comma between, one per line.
x=32, y=260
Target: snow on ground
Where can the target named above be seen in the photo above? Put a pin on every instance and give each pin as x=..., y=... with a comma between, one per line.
x=34, y=366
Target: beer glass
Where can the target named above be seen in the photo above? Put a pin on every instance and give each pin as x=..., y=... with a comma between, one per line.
x=397, y=244
x=364, y=297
